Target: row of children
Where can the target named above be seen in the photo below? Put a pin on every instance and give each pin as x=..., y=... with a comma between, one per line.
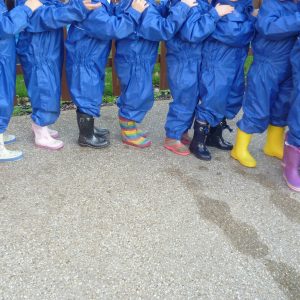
x=207, y=45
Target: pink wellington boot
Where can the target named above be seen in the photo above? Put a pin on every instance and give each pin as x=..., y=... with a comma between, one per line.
x=43, y=139
x=291, y=164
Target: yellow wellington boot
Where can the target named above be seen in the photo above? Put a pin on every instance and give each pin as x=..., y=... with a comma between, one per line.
x=275, y=141
x=240, y=149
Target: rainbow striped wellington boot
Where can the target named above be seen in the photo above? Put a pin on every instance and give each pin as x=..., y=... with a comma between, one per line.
x=131, y=135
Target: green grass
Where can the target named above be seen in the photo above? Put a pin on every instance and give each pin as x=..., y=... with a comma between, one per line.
x=248, y=64
x=24, y=108
x=20, y=87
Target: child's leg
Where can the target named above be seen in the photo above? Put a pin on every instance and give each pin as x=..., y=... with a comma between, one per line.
x=7, y=92
x=293, y=135
x=278, y=119
x=262, y=87
x=43, y=82
x=86, y=85
x=234, y=102
x=237, y=91
x=215, y=85
x=183, y=78
x=136, y=97
x=8, y=85
x=291, y=159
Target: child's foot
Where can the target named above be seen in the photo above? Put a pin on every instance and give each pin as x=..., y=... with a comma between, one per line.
x=7, y=155
x=130, y=134
x=43, y=139
x=176, y=147
x=185, y=139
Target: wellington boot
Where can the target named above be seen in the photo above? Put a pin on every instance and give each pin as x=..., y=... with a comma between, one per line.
x=43, y=139
x=215, y=137
x=87, y=135
x=7, y=155
x=240, y=149
x=198, y=143
x=291, y=164
x=274, y=142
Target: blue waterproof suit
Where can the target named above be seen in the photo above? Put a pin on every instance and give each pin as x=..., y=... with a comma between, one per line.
x=88, y=47
x=41, y=51
x=10, y=23
x=222, y=70
x=184, y=56
x=269, y=85
x=136, y=56
x=293, y=136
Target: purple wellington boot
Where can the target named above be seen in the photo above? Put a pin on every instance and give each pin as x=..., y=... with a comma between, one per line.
x=291, y=163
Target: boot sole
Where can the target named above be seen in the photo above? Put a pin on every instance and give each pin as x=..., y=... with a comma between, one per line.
x=90, y=146
x=176, y=152
x=243, y=164
x=137, y=146
x=49, y=148
x=11, y=159
x=201, y=158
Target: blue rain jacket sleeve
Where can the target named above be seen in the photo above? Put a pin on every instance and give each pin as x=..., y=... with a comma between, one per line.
x=200, y=24
x=274, y=25
x=236, y=29
x=15, y=21
x=103, y=26
x=156, y=27
x=55, y=15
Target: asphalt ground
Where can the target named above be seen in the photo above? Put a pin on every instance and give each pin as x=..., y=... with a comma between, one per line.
x=125, y=223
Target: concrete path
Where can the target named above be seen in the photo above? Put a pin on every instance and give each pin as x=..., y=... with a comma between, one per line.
x=124, y=223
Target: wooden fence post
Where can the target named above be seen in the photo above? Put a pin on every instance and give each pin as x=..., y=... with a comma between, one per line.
x=115, y=81
x=163, y=82
x=65, y=95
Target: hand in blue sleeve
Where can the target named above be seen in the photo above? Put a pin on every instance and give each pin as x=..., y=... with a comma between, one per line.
x=100, y=24
x=14, y=21
x=200, y=25
x=235, y=30
x=57, y=16
x=156, y=27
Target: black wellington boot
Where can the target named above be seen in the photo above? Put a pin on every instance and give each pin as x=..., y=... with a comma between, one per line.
x=87, y=137
x=198, y=144
x=215, y=137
